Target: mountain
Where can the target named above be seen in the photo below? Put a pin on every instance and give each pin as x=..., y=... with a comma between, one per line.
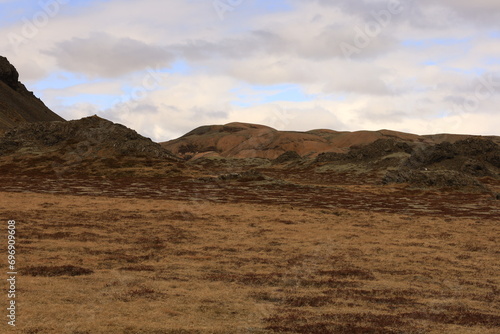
x=442, y=161
x=241, y=140
x=17, y=104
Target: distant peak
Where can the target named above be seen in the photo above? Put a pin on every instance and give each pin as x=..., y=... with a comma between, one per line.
x=96, y=117
x=8, y=73
x=247, y=125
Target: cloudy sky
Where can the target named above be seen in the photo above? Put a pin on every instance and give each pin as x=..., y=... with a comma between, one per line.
x=166, y=67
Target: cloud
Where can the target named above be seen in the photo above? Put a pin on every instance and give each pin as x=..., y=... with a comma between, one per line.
x=414, y=70
x=481, y=12
x=424, y=13
x=103, y=55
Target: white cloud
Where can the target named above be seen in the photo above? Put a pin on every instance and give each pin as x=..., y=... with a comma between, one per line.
x=102, y=55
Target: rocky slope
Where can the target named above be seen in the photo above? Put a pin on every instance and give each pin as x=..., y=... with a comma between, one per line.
x=17, y=104
x=91, y=144
x=457, y=165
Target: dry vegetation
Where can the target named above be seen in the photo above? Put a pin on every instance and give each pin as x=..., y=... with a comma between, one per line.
x=103, y=264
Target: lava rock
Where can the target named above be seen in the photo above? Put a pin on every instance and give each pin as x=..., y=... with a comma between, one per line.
x=434, y=179
x=287, y=157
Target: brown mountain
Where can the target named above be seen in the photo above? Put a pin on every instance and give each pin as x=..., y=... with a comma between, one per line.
x=240, y=140
x=17, y=104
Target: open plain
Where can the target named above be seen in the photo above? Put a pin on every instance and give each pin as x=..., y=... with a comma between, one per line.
x=170, y=255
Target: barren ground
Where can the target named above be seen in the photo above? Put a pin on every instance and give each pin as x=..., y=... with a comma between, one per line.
x=238, y=258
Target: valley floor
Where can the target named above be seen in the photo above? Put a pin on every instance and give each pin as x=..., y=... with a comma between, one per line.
x=97, y=261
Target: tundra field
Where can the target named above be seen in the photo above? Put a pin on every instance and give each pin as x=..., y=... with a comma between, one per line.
x=125, y=255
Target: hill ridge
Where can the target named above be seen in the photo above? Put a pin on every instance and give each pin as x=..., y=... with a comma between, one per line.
x=246, y=140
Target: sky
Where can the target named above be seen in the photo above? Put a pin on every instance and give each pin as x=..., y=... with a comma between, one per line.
x=166, y=67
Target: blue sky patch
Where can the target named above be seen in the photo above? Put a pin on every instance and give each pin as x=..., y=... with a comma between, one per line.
x=60, y=80
x=424, y=43
x=179, y=67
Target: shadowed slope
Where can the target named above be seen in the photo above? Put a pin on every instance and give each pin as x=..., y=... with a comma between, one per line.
x=17, y=104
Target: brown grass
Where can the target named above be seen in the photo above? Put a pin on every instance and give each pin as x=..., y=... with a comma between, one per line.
x=92, y=264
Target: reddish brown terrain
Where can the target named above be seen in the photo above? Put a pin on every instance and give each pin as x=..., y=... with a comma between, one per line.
x=242, y=140
x=244, y=229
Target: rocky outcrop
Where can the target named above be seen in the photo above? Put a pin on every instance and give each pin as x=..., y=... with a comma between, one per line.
x=90, y=137
x=9, y=74
x=449, y=165
x=437, y=179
